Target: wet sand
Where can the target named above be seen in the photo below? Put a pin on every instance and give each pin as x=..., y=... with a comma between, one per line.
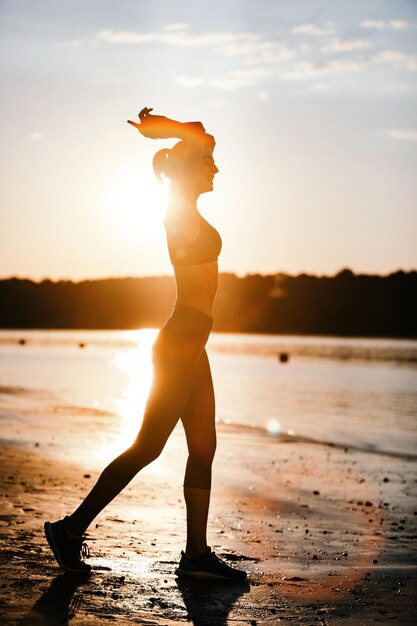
x=327, y=536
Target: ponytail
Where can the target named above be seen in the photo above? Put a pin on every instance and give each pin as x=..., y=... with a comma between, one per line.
x=169, y=161
x=160, y=163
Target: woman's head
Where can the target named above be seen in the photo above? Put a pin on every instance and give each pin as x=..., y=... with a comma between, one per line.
x=167, y=162
x=171, y=164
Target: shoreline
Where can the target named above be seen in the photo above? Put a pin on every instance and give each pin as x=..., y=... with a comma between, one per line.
x=324, y=535
x=257, y=333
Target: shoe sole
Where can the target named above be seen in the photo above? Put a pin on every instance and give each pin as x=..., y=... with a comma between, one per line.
x=182, y=573
x=51, y=541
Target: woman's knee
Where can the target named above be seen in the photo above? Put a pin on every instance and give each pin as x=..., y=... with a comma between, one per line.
x=145, y=452
x=202, y=452
x=125, y=467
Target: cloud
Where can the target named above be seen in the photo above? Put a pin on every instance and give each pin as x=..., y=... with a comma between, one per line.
x=177, y=26
x=396, y=56
x=124, y=37
x=398, y=24
x=312, y=29
x=177, y=36
x=250, y=46
x=262, y=95
x=184, y=80
x=346, y=45
x=257, y=50
x=258, y=54
x=251, y=73
x=311, y=70
x=230, y=83
x=36, y=135
x=245, y=77
x=384, y=24
x=373, y=24
x=409, y=134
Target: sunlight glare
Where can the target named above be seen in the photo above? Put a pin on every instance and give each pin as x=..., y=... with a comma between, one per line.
x=136, y=202
x=136, y=363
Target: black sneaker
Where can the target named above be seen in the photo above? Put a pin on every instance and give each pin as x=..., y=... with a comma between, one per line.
x=208, y=565
x=68, y=550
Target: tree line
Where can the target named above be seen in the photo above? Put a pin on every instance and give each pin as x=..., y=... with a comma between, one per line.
x=346, y=304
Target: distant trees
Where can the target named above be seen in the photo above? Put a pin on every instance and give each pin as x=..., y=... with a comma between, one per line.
x=344, y=304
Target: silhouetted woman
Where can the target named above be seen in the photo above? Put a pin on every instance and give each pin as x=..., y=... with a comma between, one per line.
x=182, y=386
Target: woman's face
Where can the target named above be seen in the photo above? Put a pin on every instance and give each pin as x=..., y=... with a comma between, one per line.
x=207, y=172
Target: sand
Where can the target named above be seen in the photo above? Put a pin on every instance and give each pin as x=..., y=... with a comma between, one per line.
x=327, y=536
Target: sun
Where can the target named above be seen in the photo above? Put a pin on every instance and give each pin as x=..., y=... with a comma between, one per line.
x=135, y=202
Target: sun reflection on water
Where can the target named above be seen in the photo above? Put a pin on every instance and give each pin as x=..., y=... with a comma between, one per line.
x=136, y=364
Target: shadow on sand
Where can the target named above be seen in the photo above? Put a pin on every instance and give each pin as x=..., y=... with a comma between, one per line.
x=209, y=603
x=206, y=603
x=59, y=604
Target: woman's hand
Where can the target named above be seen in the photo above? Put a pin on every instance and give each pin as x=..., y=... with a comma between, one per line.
x=161, y=127
x=154, y=126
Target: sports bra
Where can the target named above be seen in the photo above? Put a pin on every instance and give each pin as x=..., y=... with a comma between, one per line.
x=204, y=248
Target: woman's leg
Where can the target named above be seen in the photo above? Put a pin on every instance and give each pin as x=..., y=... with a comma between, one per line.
x=198, y=419
x=199, y=424
x=171, y=387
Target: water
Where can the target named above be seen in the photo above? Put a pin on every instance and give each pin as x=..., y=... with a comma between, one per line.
x=78, y=400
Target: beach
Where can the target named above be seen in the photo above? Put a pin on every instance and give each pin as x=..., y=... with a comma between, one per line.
x=327, y=531
x=325, y=537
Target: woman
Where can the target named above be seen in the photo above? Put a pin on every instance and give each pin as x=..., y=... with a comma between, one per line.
x=182, y=386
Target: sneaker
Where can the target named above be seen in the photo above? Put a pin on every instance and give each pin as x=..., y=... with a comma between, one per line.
x=208, y=565
x=68, y=550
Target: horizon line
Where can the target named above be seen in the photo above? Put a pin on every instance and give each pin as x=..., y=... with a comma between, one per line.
x=344, y=270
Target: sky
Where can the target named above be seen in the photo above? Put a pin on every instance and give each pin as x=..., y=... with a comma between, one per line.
x=312, y=103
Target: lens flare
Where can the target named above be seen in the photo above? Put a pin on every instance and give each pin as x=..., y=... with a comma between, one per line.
x=273, y=427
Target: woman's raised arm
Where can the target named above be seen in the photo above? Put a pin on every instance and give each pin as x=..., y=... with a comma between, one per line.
x=193, y=133
x=161, y=127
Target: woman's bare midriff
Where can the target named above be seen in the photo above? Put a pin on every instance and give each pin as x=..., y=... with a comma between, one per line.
x=197, y=286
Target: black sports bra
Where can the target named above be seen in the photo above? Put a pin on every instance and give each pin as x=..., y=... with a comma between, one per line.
x=204, y=248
